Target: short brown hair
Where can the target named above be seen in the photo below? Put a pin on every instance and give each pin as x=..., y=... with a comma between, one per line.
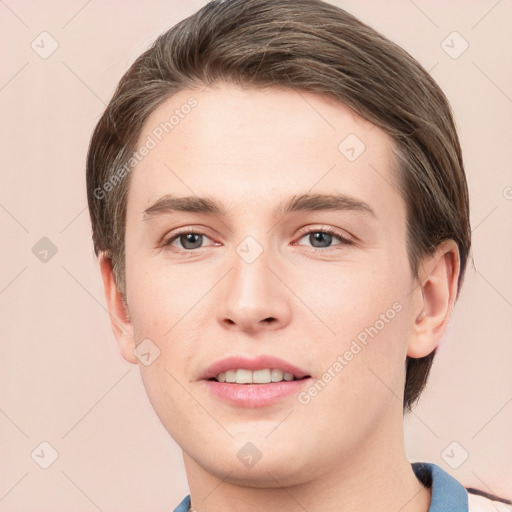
x=306, y=45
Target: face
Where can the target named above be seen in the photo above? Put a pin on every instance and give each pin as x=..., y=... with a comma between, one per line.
x=289, y=255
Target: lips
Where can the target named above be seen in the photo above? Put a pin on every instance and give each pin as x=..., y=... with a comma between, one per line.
x=253, y=394
x=258, y=363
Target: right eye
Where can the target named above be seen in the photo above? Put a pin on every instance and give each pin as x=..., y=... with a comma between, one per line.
x=186, y=241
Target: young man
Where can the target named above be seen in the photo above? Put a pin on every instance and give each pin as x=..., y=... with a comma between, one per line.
x=280, y=209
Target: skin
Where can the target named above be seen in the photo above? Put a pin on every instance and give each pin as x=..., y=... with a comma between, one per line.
x=253, y=149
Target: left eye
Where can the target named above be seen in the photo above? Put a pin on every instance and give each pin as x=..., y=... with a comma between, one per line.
x=324, y=238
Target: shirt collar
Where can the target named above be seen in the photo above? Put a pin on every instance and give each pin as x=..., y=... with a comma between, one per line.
x=184, y=505
x=448, y=495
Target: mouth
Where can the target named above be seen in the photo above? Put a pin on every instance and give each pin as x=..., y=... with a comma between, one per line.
x=253, y=382
x=262, y=369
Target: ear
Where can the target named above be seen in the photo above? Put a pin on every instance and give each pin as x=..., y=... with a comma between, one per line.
x=118, y=309
x=436, y=295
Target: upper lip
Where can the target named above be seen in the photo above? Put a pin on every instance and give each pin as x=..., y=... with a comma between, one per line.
x=256, y=363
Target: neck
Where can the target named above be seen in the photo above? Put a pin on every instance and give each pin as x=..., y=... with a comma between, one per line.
x=376, y=475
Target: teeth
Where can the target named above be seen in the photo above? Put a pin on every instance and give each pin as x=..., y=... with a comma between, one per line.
x=243, y=377
x=231, y=376
x=266, y=376
x=277, y=375
x=261, y=377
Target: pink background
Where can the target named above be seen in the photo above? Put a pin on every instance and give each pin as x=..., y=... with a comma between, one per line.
x=62, y=378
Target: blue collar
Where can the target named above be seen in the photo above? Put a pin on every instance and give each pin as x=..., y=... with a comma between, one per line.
x=448, y=495
x=184, y=505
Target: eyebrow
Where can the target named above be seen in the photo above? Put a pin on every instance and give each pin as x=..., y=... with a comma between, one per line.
x=298, y=203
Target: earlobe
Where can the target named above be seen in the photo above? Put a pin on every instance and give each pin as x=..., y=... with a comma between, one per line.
x=438, y=287
x=118, y=310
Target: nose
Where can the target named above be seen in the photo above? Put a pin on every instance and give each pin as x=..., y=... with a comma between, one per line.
x=253, y=299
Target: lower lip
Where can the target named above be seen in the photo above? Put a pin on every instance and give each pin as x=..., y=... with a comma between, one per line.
x=255, y=395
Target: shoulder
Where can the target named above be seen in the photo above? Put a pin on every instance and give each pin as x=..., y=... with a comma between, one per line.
x=478, y=503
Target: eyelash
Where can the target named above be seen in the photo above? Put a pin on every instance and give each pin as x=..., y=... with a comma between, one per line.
x=304, y=232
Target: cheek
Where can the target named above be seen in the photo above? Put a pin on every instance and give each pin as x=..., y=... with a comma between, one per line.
x=349, y=298
x=361, y=346
x=169, y=309
x=162, y=298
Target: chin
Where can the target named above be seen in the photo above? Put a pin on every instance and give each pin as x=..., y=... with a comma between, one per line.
x=250, y=466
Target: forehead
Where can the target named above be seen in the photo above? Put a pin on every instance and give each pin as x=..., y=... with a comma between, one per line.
x=256, y=144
